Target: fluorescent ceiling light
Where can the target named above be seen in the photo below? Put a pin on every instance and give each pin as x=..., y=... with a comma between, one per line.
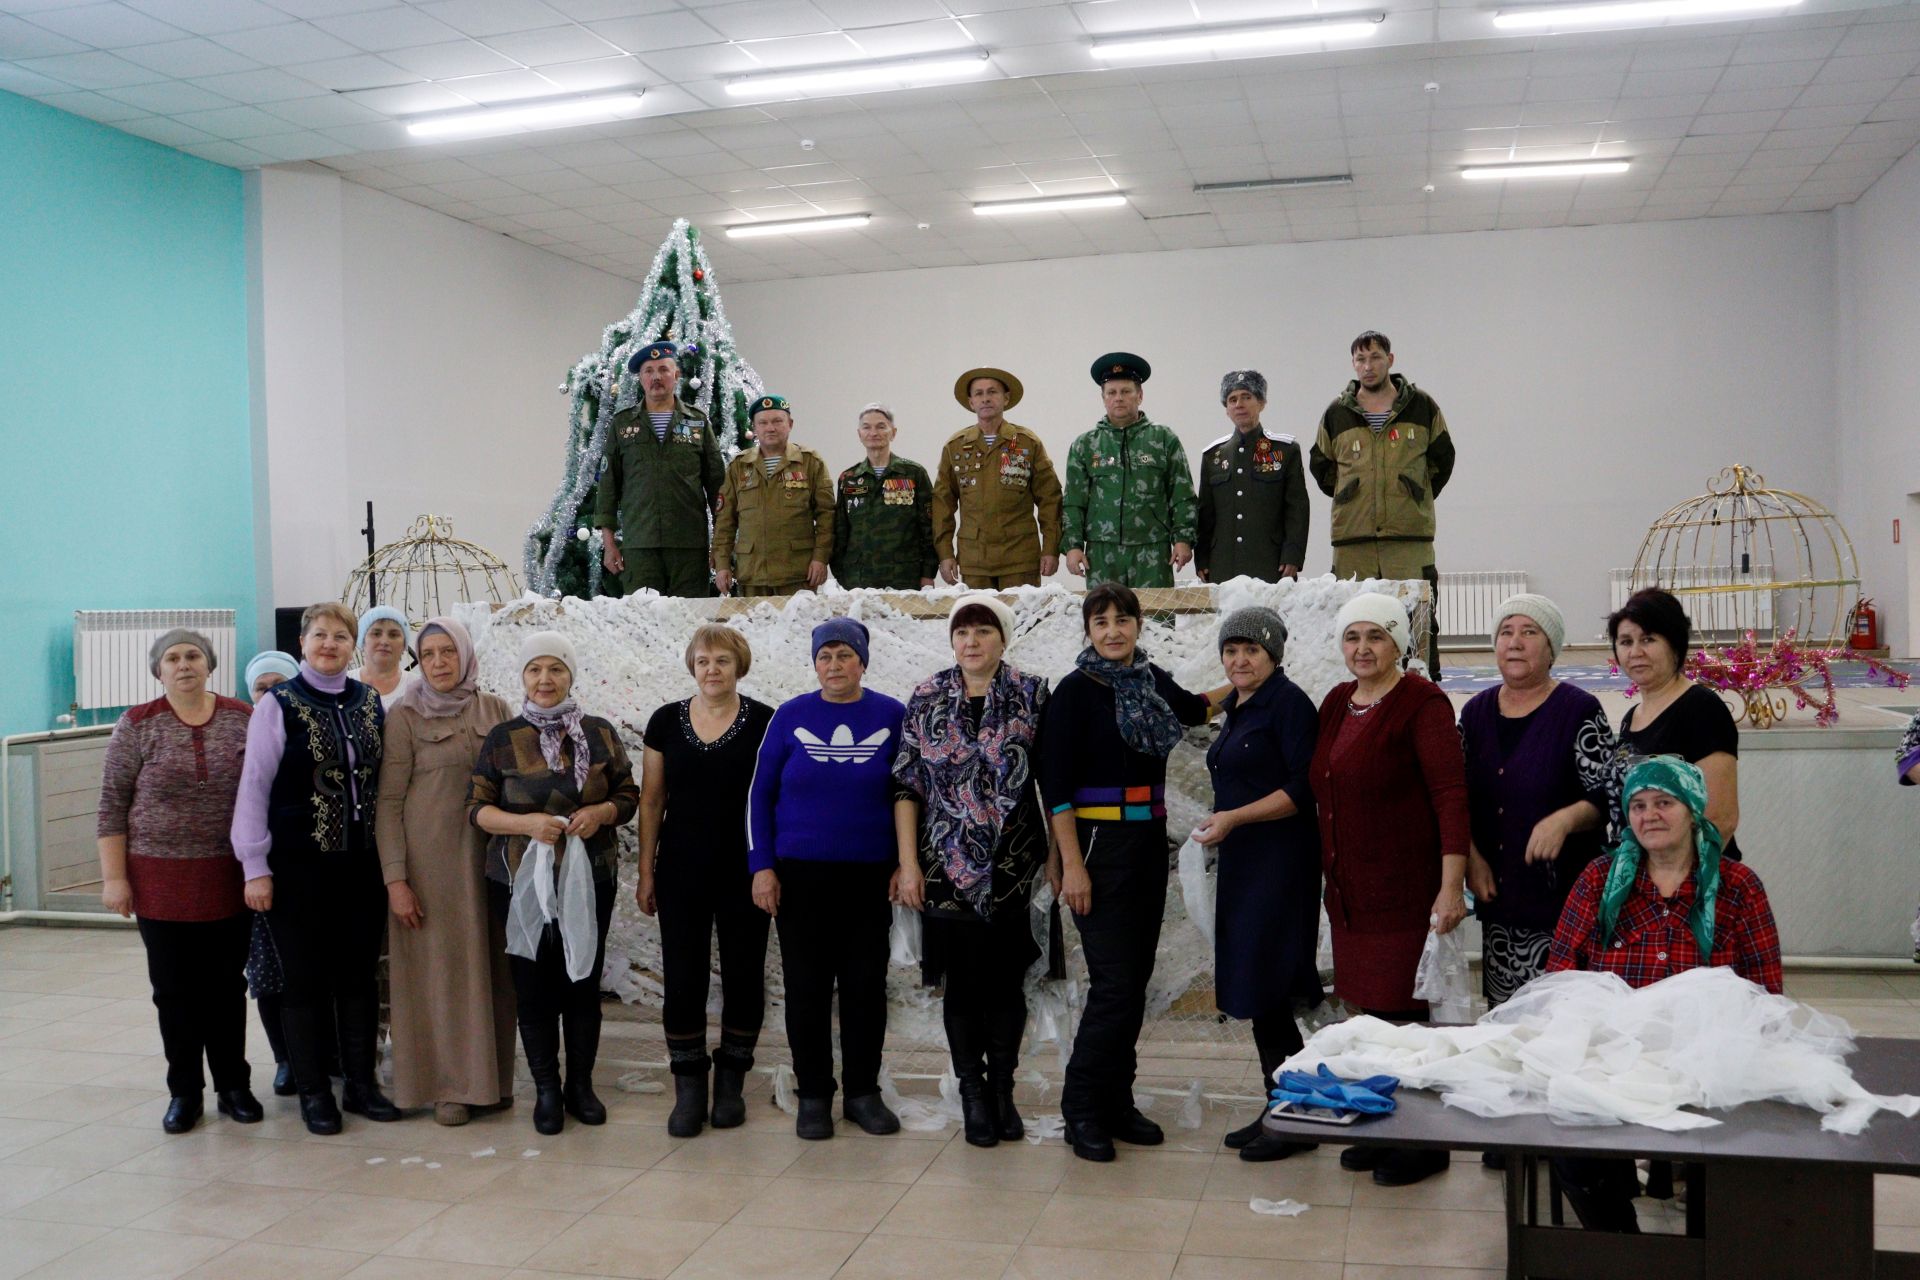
x=1054, y=204
x=1273, y=184
x=1570, y=169
x=532, y=115
x=899, y=74
x=799, y=226
x=1236, y=39
x=1626, y=13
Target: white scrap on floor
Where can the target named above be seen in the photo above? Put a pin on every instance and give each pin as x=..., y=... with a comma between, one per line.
x=1277, y=1208
x=481, y=1154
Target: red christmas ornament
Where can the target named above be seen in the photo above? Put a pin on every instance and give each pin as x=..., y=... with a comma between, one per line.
x=698, y=274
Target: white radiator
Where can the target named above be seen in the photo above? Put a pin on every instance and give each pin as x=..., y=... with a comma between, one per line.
x=110, y=652
x=1467, y=602
x=1726, y=614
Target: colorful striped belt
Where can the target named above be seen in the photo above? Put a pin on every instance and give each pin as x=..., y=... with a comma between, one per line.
x=1120, y=804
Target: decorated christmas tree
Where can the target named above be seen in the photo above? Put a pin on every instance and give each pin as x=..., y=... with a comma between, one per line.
x=680, y=303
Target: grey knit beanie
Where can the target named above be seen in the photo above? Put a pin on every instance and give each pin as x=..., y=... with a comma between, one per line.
x=179, y=635
x=1251, y=381
x=1259, y=624
x=1542, y=611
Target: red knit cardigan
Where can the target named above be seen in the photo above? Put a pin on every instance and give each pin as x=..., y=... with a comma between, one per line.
x=1395, y=805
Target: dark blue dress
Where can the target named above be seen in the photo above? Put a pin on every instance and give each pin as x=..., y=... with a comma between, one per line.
x=1267, y=917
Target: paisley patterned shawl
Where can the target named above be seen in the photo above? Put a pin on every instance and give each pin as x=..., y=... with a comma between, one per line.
x=968, y=783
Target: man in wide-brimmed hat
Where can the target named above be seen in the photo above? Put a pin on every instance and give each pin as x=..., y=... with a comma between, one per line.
x=995, y=476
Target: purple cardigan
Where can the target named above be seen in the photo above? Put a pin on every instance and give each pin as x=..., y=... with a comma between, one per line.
x=1561, y=757
x=266, y=744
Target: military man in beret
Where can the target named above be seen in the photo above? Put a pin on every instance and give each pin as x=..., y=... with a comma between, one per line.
x=1383, y=453
x=1129, y=509
x=1253, y=493
x=774, y=530
x=662, y=476
x=883, y=520
x=995, y=476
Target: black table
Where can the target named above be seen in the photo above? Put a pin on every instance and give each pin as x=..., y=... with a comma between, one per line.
x=1784, y=1197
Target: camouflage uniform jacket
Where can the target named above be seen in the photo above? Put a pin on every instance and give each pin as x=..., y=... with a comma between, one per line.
x=883, y=527
x=1128, y=487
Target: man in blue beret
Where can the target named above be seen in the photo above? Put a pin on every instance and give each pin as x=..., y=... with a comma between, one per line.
x=662, y=479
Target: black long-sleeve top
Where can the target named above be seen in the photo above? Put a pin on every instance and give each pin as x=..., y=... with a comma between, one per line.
x=1083, y=759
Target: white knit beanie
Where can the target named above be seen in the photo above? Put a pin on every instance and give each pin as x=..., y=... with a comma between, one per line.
x=549, y=644
x=1382, y=611
x=1542, y=611
x=1001, y=611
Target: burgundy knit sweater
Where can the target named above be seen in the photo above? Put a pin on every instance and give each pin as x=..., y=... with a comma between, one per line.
x=169, y=787
x=1391, y=805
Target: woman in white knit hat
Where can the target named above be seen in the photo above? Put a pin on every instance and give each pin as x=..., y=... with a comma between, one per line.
x=1389, y=785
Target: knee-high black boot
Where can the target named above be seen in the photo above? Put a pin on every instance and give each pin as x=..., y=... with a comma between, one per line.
x=582, y=1030
x=1004, y=1031
x=359, y=1023
x=540, y=1038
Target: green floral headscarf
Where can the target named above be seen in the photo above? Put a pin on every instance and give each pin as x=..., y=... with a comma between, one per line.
x=1685, y=783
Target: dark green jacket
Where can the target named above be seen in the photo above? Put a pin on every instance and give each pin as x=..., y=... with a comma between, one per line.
x=1383, y=482
x=883, y=527
x=1127, y=486
x=1253, y=506
x=659, y=493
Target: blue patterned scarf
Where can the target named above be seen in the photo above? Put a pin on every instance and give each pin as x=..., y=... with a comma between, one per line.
x=969, y=781
x=1146, y=722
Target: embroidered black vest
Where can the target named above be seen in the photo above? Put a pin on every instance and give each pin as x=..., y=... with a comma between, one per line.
x=320, y=803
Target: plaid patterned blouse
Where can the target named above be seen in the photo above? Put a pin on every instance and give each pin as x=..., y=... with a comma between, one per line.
x=1653, y=940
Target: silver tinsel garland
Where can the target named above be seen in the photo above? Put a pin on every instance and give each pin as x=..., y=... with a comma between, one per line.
x=722, y=389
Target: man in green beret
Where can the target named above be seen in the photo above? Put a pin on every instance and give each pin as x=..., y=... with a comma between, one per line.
x=1129, y=510
x=1253, y=493
x=662, y=476
x=995, y=481
x=883, y=520
x=1383, y=453
x=773, y=533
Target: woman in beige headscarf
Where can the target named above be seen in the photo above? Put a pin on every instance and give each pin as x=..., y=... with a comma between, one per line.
x=452, y=995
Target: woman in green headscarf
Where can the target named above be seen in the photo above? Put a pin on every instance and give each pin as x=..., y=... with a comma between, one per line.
x=1663, y=903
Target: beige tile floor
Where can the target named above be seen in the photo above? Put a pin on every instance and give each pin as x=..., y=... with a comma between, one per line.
x=90, y=1187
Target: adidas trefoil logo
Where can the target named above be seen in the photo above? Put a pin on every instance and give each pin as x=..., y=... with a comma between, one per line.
x=842, y=749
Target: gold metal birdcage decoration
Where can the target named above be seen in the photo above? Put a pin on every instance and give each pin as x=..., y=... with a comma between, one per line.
x=429, y=571
x=1764, y=574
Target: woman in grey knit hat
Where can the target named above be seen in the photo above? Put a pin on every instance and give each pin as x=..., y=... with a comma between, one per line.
x=1267, y=918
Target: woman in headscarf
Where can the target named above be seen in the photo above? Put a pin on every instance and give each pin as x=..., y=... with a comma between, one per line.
x=167, y=789
x=1389, y=785
x=447, y=966
x=303, y=831
x=551, y=773
x=1668, y=900
x=383, y=643
x=1105, y=735
x=971, y=835
x=1267, y=899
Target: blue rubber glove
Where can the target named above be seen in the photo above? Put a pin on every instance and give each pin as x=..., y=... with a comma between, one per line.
x=1328, y=1092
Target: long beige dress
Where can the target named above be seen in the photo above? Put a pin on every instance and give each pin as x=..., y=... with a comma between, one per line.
x=453, y=1010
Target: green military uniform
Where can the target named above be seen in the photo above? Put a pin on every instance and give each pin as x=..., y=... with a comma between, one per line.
x=995, y=491
x=1383, y=481
x=883, y=527
x=1253, y=506
x=768, y=529
x=656, y=491
x=1129, y=499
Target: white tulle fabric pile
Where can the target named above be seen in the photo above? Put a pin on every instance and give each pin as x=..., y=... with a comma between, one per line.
x=1587, y=1049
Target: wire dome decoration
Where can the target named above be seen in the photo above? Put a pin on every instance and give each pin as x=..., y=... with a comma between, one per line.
x=1768, y=575
x=429, y=571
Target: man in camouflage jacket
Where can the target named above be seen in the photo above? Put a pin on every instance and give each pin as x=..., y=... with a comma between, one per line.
x=1129, y=512
x=883, y=514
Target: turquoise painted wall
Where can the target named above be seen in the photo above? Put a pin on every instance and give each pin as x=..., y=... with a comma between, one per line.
x=124, y=417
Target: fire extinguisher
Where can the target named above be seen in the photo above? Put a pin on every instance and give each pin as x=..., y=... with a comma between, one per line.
x=1866, y=626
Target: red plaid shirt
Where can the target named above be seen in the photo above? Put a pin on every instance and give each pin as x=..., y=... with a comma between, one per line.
x=1652, y=939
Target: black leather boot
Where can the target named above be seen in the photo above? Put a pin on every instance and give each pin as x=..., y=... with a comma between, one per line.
x=689, y=1114
x=1003, y=1060
x=359, y=1029
x=815, y=1119
x=283, y=1085
x=583, y=1047
x=183, y=1112
x=729, y=1102
x=322, y=1117
x=541, y=1040
x=978, y=1119
x=239, y=1105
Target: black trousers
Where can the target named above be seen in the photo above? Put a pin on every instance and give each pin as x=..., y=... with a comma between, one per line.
x=695, y=903
x=1276, y=1037
x=1127, y=862
x=549, y=1002
x=833, y=922
x=328, y=920
x=985, y=1007
x=198, y=972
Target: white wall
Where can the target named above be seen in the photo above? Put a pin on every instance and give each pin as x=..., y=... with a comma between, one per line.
x=1592, y=376
x=411, y=359
x=1877, y=339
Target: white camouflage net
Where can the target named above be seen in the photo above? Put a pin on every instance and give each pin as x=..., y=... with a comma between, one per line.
x=632, y=658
